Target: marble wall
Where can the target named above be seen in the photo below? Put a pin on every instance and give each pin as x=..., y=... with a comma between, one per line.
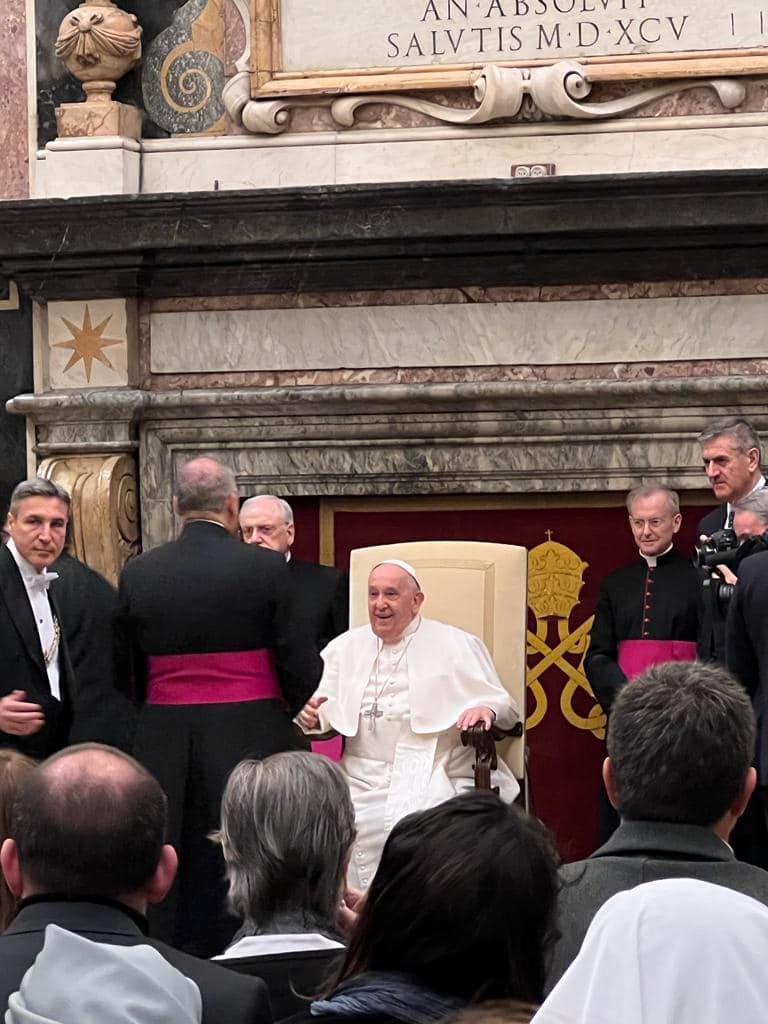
x=470, y=334
x=14, y=166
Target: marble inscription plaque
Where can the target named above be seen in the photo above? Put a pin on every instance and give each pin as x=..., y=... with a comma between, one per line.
x=445, y=32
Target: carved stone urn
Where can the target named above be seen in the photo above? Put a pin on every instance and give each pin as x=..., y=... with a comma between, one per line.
x=98, y=43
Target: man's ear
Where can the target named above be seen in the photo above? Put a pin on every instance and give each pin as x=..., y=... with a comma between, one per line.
x=157, y=888
x=609, y=781
x=9, y=861
x=747, y=789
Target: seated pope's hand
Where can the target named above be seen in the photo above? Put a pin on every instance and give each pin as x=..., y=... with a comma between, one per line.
x=474, y=715
x=18, y=716
x=308, y=718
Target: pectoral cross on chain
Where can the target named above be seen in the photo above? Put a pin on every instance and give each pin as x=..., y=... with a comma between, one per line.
x=373, y=712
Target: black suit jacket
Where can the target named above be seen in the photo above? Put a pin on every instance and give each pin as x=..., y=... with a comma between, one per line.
x=225, y=996
x=643, y=851
x=320, y=600
x=712, y=521
x=23, y=664
x=88, y=603
x=206, y=592
x=746, y=645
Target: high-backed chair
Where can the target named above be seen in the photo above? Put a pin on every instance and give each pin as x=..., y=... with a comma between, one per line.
x=479, y=587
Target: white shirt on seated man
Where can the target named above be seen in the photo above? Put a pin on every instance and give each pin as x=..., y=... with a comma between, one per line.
x=401, y=690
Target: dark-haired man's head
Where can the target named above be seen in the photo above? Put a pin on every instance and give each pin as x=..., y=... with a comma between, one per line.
x=89, y=823
x=680, y=744
x=463, y=900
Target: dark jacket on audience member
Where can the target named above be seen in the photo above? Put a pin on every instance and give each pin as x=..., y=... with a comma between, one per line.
x=226, y=997
x=292, y=979
x=644, y=851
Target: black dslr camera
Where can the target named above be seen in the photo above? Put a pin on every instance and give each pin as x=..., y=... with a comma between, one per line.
x=723, y=548
x=719, y=549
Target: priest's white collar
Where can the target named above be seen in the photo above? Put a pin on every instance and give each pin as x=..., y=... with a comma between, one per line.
x=653, y=559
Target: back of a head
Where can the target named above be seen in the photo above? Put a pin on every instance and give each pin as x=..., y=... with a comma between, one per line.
x=14, y=767
x=89, y=822
x=680, y=738
x=675, y=951
x=756, y=502
x=203, y=485
x=463, y=901
x=287, y=825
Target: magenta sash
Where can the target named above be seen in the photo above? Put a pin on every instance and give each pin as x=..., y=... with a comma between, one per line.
x=223, y=677
x=635, y=656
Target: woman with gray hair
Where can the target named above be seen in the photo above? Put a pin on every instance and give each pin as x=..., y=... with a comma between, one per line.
x=287, y=828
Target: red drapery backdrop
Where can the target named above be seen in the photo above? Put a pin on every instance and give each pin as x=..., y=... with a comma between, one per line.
x=570, y=550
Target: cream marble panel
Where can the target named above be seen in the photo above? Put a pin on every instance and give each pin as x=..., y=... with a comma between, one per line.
x=614, y=152
x=87, y=344
x=88, y=167
x=449, y=154
x=598, y=331
x=258, y=167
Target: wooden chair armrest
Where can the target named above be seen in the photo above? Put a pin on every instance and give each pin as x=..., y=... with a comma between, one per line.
x=483, y=742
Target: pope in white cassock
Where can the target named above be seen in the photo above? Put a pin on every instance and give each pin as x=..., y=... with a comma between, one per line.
x=400, y=691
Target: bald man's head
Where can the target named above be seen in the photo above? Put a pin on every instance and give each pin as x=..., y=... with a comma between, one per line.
x=206, y=489
x=89, y=821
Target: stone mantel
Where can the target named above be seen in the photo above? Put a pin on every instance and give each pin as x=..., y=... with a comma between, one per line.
x=499, y=438
x=538, y=397
x=681, y=226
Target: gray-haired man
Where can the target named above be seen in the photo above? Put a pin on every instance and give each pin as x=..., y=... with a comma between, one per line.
x=36, y=681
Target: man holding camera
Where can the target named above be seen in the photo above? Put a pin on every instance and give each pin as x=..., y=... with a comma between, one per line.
x=731, y=456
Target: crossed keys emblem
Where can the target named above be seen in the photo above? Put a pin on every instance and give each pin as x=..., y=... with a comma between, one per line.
x=555, y=579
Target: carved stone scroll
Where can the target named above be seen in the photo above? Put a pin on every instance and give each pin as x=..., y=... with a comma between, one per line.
x=105, y=517
x=559, y=90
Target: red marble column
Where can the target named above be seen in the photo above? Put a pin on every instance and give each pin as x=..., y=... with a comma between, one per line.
x=14, y=167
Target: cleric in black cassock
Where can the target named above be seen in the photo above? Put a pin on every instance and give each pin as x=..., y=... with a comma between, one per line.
x=647, y=611
x=206, y=644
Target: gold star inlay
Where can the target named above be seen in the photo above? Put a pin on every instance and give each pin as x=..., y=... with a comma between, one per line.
x=87, y=343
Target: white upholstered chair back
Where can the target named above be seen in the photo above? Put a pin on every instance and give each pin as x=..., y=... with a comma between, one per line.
x=479, y=587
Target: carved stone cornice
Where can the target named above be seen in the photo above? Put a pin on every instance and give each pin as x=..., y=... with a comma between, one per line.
x=571, y=230
x=536, y=397
x=559, y=90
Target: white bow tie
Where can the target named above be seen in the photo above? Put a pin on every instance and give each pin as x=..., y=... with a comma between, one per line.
x=42, y=580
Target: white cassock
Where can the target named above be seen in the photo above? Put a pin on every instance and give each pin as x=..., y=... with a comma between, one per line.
x=397, y=705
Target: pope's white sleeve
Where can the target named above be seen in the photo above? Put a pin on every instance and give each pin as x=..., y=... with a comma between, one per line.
x=493, y=695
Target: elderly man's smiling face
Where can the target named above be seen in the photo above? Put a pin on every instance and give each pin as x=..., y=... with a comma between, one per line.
x=394, y=600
